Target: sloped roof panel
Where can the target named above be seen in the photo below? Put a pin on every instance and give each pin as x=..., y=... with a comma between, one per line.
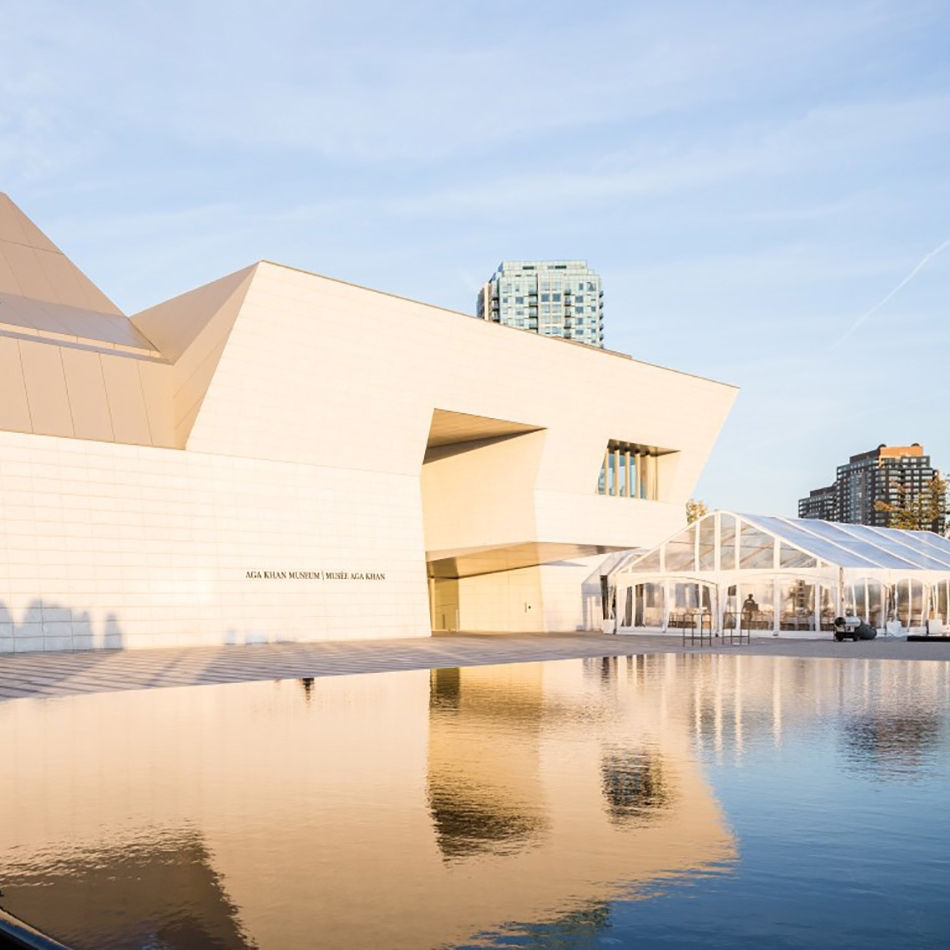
x=857, y=546
x=818, y=543
x=933, y=543
x=905, y=545
x=38, y=317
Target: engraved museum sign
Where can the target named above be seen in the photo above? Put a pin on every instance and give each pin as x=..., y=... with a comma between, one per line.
x=314, y=575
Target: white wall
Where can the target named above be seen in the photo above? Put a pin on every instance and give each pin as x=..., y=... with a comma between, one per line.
x=112, y=545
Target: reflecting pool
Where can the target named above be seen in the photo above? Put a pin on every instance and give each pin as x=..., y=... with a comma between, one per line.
x=681, y=801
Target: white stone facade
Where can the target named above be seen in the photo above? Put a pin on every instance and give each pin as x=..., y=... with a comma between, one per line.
x=279, y=456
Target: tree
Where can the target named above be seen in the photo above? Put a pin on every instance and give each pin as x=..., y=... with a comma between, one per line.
x=924, y=511
x=695, y=509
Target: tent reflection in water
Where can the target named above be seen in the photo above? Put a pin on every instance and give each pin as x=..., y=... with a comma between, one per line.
x=800, y=574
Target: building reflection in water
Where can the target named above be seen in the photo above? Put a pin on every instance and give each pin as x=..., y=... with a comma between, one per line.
x=634, y=785
x=888, y=714
x=556, y=787
x=409, y=809
x=158, y=890
x=486, y=799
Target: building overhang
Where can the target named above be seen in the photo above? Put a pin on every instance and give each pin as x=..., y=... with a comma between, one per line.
x=509, y=557
x=453, y=428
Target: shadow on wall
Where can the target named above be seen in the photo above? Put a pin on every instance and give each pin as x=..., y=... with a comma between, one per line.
x=45, y=625
x=232, y=638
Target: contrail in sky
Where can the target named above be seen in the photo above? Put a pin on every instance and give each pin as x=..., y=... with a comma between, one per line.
x=920, y=266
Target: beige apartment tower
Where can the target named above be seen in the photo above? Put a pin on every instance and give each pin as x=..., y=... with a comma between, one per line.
x=281, y=456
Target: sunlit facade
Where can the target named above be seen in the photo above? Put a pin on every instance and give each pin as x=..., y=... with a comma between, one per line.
x=280, y=456
x=785, y=577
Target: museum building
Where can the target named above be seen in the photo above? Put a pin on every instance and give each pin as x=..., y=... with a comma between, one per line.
x=281, y=456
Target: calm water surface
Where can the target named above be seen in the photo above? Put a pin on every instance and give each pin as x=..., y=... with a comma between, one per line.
x=681, y=801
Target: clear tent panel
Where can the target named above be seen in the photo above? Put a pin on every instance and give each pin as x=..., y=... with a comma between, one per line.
x=940, y=600
x=932, y=543
x=908, y=602
x=680, y=552
x=865, y=597
x=861, y=544
x=796, y=604
x=685, y=596
x=730, y=608
x=792, y=557
x=727, y=542
x=757, y=608
x=707, y=544
x=649, y=562
x=649, y=605
x=917, y=596
x=756, y=548
x=826, y=606
x=835, y=547
x=875, y=604
x=891, y=542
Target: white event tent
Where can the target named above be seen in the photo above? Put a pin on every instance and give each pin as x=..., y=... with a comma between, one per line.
x=784, y=576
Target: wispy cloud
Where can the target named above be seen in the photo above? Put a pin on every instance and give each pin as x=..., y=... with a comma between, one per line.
x=740, y=172
x=917, y=268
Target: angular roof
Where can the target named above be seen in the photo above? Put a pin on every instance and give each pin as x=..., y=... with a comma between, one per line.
x=43, y=294
x=32, y=266
x=276, y=363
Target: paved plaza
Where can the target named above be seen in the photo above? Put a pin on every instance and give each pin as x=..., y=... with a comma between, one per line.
x=63, y=674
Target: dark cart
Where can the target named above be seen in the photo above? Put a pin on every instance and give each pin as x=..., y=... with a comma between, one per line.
x=853, y=628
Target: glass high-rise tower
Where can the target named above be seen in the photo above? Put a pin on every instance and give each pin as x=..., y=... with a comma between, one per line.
x=553, y=298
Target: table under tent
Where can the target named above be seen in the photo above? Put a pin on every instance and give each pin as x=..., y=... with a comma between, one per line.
x=785, y=576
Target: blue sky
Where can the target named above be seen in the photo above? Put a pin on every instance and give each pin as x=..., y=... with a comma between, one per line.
x=750, y=179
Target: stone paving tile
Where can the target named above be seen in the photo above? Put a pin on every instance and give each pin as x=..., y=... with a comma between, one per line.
x=46, y=674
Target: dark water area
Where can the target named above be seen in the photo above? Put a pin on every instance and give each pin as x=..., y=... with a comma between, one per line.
x=662, y=801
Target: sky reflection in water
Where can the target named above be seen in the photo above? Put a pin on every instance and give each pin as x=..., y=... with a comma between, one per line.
x=661, y=801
